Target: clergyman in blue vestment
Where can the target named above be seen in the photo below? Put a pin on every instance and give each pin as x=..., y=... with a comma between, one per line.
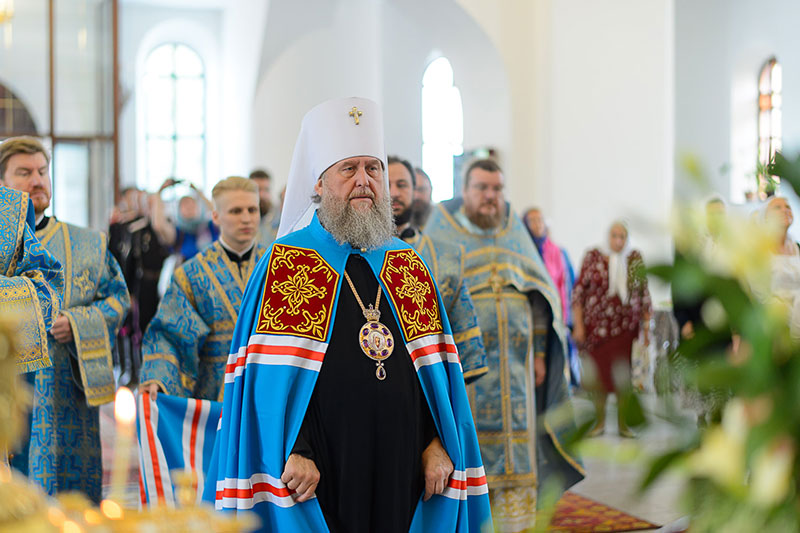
x=186, y=345
x=65, y=452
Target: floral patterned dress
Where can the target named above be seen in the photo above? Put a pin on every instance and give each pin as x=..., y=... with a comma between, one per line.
x=611, y=325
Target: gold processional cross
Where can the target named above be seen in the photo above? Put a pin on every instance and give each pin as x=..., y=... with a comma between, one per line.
x=355, y=113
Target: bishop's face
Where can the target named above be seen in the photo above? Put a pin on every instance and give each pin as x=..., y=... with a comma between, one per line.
x=356, y=180
x=30, y=173
x=354, y=204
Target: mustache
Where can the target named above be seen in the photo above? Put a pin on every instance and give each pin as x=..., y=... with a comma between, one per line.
x=361, y=192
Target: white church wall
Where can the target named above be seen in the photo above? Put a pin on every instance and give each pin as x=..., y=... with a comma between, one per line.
x=326, y=59
x=243, y=28
x=414, y=34
x=612, y=124
x=721, y=46
x=322, y=60
x=592, y=110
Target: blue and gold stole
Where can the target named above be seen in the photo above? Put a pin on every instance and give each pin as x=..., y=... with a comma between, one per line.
x=31, y=281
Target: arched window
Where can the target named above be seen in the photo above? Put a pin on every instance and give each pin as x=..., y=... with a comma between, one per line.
x=442, y=127
x=173, y=116
x=770, y=85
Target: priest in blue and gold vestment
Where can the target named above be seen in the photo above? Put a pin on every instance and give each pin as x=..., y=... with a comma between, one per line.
x=186, y=346
x=446, y=262
x=519, y=313
x=31, y=279
x=65, y=452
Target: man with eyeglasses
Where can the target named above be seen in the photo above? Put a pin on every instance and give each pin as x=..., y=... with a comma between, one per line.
x=519, y=314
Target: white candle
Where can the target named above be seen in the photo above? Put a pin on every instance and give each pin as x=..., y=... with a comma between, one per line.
x=125, y=415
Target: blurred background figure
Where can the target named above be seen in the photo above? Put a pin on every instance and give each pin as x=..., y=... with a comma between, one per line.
x=423, y=199
x=687, y=307
x=558, y=265
x=785, y=283
x=190, y=229
x=611, y=307
x=135, y=244
x=270, y=216
x=185, y=231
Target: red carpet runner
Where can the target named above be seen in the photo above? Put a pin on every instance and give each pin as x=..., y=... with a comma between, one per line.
x=576, y=514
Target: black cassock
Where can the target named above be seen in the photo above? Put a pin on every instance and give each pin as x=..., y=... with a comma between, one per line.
x=366, y=436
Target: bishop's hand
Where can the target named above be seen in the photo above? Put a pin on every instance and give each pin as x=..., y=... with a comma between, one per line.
x=436, y=467
x=301, y=476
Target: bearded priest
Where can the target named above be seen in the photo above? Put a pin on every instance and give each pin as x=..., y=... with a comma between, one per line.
x=65, y=452
x=345, y=407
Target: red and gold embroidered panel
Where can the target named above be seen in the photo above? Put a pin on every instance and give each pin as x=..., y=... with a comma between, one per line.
x=298, y=294
x=412, y=292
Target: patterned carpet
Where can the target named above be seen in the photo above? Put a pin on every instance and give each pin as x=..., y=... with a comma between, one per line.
x=577, y=514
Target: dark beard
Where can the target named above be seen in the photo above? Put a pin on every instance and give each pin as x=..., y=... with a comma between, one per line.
x=370, y=229
x=403, y=217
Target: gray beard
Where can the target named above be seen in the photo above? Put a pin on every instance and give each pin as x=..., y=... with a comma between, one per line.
x=370, y=229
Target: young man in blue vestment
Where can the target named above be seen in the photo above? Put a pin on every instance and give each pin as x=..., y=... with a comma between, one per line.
x=344, y=406
x=65, y=452
x=185, y=347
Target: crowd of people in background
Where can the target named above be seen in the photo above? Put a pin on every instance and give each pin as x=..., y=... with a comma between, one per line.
x=605, y=303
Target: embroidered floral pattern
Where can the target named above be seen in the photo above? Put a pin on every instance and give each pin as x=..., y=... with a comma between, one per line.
x=298, y=294
x=410, y=287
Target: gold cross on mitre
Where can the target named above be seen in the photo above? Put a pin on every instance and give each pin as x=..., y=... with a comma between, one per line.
x=355, y=113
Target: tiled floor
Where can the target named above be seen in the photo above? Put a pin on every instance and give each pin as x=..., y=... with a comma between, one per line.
x=615, y=467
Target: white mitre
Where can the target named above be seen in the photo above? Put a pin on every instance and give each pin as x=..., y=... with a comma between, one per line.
x=332, y=131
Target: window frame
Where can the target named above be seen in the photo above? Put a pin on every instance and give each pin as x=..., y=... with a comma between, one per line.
x=153, y=182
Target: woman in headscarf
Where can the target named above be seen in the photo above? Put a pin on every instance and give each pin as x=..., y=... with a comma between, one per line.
x=558, y=265
x=610, y=306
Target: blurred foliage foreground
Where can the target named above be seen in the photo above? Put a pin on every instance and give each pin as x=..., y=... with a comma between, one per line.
x=742, y=468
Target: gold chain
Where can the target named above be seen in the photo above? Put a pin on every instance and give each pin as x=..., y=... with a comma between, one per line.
x=358, y=299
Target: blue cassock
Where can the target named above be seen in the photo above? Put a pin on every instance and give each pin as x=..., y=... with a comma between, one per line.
x=278, y=349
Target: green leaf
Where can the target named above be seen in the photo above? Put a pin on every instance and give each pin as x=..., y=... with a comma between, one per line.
x=631, y=409
x=658, y=466
x=788, y=171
